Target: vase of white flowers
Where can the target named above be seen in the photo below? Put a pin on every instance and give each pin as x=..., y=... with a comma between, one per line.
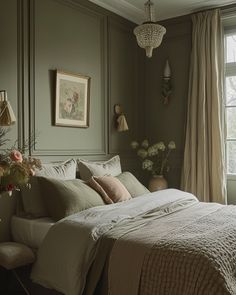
x=155, y=159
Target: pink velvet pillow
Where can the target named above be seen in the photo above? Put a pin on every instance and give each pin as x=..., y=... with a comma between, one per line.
x=110, y=189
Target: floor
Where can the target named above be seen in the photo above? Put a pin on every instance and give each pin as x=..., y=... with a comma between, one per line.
x=10, y=286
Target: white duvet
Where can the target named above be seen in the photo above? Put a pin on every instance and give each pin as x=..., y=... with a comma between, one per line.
x=70, y=246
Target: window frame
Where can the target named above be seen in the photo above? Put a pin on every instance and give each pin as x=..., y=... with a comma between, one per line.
x=230, y=70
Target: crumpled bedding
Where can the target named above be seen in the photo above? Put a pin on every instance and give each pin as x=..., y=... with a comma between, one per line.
x=67, y=252
x=162, y=243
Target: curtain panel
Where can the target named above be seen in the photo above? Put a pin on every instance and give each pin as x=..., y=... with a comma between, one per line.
x=204, y=162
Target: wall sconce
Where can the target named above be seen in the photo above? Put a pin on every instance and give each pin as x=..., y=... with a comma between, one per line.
x=7, y=116
x=166, y=83
x=120, y=120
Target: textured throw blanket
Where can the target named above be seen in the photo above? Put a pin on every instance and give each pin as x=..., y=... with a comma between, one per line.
x=199, y=258
x=192, y=252
x=166, y=243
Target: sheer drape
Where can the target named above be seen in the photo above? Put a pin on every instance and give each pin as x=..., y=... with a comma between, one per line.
x=203, y=169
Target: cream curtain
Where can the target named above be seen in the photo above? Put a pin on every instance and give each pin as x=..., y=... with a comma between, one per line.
x=203, y=168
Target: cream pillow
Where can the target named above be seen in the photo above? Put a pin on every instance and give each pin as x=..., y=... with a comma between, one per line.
x=33, y=205
x=87, y=169
x=110, y=189
x=65, y=170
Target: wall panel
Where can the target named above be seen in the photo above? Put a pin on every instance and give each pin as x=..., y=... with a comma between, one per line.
x=10, y=81
x=73, y=40
x=9, y=78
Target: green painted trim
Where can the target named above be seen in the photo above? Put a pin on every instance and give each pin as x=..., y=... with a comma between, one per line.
x=20, y=72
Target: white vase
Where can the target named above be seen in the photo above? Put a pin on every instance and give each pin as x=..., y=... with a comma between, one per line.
x=157, y=182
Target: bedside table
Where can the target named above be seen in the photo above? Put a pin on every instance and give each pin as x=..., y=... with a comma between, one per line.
x=14, y=255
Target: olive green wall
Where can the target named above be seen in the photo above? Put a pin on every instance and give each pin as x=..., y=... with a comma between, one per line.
x=167, y=122
x=40, y=36
x=9, y=57
x=9, y=79
x=79, y=37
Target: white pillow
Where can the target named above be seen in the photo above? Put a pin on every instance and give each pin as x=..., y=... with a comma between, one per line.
x=64, y=171
x=87, y=169
x=33, y=205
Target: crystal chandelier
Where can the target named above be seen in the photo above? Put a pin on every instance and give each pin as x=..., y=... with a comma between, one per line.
x=149, y=35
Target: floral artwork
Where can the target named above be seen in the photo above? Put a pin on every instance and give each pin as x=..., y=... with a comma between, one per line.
x=155, y=157
x=72, y=100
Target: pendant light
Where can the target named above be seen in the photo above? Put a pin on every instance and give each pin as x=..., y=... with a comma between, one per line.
x=149, y=35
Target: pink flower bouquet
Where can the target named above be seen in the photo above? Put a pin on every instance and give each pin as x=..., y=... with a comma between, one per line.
x=15, y=170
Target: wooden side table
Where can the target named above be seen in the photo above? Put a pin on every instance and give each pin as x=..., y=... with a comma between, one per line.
x=14, y=255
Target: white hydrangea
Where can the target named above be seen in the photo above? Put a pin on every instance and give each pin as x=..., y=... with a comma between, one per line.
x=134, y=144
x=142, y=153
x=147, y=165
x=171, y=145
x=160, y=153
x=161, y=146
x=152, y=151
x=145, y=144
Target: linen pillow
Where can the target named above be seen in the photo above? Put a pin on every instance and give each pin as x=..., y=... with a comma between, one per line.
x=88, y=169
x=134, y=187
x=65, y=170
x=66, y=197
x=33, y=205
x=110, y=188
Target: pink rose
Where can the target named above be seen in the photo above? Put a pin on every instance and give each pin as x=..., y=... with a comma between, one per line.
x=16, y=156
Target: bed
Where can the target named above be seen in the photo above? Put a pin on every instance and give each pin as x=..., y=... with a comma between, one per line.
x=165, y=242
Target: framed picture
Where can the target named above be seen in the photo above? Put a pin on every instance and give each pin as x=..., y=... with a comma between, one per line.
x=72, y=100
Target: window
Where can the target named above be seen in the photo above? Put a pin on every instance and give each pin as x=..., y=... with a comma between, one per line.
x=230, y=100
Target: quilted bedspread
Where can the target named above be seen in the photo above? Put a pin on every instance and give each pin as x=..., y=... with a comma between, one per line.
x=199, y=258
x=192, y=252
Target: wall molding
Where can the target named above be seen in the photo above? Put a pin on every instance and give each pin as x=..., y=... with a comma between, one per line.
x=123, y=8
x=20, y=72
x=32, y=69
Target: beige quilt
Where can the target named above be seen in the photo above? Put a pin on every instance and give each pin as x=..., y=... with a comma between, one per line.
x=192, y=252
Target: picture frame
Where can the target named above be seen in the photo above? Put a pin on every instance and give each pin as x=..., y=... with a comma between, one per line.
x=72, y=100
